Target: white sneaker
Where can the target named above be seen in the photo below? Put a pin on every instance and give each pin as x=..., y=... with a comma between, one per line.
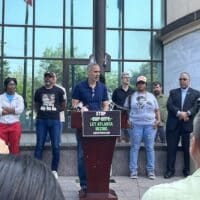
x=151, y=175
x=55, y=174
x=133, y=176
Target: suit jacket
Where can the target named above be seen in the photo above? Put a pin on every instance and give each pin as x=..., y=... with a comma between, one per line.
x=174, y=105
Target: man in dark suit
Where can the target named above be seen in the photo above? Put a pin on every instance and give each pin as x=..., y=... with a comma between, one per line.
x=182, y=107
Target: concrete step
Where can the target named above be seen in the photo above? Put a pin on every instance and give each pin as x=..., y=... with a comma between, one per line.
x=68, y=159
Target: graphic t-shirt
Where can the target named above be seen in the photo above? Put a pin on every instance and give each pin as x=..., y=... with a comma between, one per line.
x=143, y=106
x=49, y=102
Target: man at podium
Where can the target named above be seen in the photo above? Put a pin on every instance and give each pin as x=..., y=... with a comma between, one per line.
x=90, y=94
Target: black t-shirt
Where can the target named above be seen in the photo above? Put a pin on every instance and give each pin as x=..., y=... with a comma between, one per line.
x=119, y=96
x=48, y=102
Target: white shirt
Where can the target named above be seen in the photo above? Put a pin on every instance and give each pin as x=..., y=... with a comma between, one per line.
x=62, y=113
x=17, y=103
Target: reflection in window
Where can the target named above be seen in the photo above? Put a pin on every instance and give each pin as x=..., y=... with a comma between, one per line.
x=15, y=12
x=79, y=13
x=114, y=44
x=42, y=66
x=137, y=45
x=157, y=47
x=113, y=77
x=158, y=13
x=136, y=69
x=0, y=12
x=113, y=13
x=49, y=12
x=14, y=41
x=48, y=42
x=137, y=14
x=157, y=71
x=80, y=42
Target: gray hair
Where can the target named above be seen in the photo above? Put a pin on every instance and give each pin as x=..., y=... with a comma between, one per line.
x=125, y=74
x=196, y=126
x=185, y=73
x=91, y=65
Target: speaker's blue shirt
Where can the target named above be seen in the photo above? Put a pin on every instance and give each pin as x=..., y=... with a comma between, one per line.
x=91, y=98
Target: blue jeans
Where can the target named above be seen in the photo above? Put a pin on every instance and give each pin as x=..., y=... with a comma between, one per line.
x=81, y=160
x=61, y=130
x=137, y=134
x=43, y=127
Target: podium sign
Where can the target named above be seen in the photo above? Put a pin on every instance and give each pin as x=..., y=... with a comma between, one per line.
x=101, y=124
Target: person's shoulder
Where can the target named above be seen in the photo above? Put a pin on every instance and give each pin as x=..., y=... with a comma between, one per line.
x=61, y=87
x=150, y=94
x=83, y=83
x=194, y=91
x=172, y=91
x=162, y=191
x=18, y=95
x=118, y=88
x=3, y=94
x=40, y=89
x=154, y=193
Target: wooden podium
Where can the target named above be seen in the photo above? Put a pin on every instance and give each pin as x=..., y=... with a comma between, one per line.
x=98, y=153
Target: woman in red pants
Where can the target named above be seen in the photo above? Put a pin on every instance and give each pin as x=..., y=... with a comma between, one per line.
x=11, y=106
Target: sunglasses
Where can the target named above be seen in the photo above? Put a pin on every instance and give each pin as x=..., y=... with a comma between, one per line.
x=183, y=79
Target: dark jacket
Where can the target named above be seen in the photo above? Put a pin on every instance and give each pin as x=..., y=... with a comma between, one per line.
x=174, y=105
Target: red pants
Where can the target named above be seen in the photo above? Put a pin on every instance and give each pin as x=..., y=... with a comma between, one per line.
x=11, y=134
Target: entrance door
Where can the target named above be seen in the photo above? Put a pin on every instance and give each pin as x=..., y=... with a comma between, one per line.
x=75, y=70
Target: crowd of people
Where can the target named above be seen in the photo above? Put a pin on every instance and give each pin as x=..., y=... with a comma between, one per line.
x=152, y=117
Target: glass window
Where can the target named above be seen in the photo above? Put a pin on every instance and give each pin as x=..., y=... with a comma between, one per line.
x=48, y=42
x=79, y=13
x=15, y=39
x=15, y=12
x=137, y=45
x=15, y=68
x=157, y=47
x=76, y=73
x=158, y=13
x=137, y=14
x=51, y=65
x=113, y=77
x=114, y=13
x=49, y=12
x=136, y=69
x=1, y=42
x=80, y=42
x=157, y=71
x=0, y=12
x=114, y=44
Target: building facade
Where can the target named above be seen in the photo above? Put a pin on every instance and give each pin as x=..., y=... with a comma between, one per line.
x=65, y=35
x=181, y=42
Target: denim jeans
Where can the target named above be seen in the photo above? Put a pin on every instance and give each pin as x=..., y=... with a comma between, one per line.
x=81, y=160
x=61, y=130
x=139, y=133
x=43, y=127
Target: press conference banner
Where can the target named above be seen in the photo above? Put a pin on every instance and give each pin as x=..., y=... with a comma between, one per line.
x=100, y=123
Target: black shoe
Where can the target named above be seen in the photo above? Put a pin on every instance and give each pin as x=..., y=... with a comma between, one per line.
x=168, y=174
x=186, y=173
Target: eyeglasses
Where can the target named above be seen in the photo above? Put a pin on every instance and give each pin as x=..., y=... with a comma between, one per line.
x=183, y=79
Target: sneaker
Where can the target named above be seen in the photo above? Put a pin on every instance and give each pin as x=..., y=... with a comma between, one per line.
x=151, y=175
x=133, y=176
x=55, y=174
